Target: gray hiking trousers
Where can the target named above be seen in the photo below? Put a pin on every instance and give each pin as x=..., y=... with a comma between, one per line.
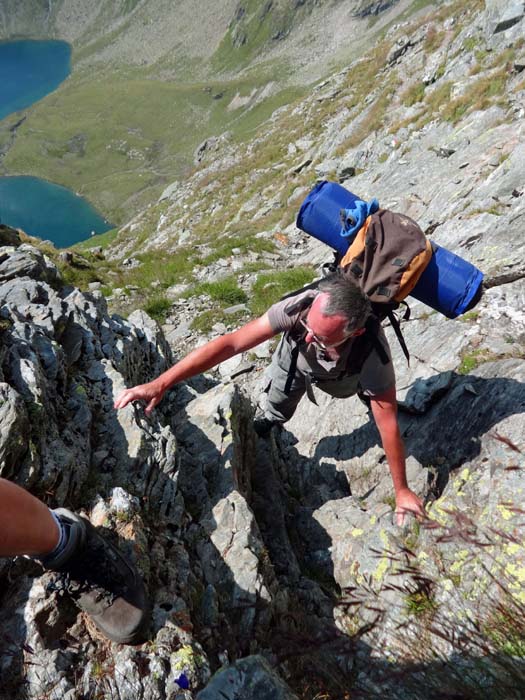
x=280, y=405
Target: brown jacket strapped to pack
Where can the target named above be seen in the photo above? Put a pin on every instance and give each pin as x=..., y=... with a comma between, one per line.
x=388, y=256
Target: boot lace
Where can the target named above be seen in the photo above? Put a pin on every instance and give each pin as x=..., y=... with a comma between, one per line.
x=94, y=572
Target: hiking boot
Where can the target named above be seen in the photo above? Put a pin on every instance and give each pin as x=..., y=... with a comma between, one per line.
x=101, y=581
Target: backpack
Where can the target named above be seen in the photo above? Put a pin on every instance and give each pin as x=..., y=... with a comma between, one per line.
x=389, y=255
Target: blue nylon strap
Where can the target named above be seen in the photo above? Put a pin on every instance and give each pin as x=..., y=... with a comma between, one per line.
x=353, y=219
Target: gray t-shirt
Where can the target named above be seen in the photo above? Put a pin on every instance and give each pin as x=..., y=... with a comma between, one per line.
x=374, y=378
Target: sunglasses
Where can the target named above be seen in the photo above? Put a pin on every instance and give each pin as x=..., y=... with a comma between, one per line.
x=321, y=343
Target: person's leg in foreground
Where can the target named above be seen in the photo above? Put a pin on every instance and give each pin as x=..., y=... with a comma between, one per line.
x=96, y=575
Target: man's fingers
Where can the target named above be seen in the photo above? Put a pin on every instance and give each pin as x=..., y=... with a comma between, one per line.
x=123, y=399
x=149, y=408
x=139, y=393
x=120, y=401
x=400, y=518
x=402, y=512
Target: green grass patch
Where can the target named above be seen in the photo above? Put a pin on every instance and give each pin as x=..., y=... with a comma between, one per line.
x=102, y=240
x=470, y=44
x=225, y=291
x=78, y=276
x=505, y=630
x=204, y=322
x=438, y=97
x=472, y=359
x=420, y=604
x=469, y=317
x=480, y=95
x=245, y=242
x=157, y=267
x=415, y=93
x=412, y=537
x=433, y=39
x=270, y=287
x=158, y=307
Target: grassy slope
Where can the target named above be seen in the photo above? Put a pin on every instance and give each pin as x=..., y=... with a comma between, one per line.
x=137, y=133
x=256, y=170
x=264, y=168
x=118, y=134
x=255, y=28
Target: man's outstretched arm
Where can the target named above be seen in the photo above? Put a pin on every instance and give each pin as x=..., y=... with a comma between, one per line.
x=199, y=360
x=384, y=410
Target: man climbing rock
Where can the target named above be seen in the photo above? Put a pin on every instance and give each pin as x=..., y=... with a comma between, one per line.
x=94, y=573
x=329, y=341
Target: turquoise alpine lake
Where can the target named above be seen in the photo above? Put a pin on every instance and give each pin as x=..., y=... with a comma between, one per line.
x=48, y=211
x=29, y=70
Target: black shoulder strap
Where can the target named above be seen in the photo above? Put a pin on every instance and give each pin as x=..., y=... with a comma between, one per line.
x=397, y=330
x=299, y=306
x=312, y=285
x=291, y=370
x=372, y=326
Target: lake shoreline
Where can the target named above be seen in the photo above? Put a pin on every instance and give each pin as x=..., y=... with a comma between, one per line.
x=30, y=69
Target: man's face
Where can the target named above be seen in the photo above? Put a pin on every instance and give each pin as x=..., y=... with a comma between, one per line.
x=326, y=331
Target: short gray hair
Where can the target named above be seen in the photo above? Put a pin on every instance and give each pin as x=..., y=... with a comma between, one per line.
x=345, y=298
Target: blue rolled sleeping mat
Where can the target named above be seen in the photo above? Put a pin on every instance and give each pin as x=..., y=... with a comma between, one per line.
x=449, y=284
x=320, y=214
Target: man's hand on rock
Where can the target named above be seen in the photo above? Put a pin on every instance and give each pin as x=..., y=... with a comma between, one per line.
x=142, y=392
x=407, y=502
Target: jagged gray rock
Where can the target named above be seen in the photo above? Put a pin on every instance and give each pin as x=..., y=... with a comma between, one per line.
x=251, y=678
x=25, y=261
x=9, y=236
x=503, y=15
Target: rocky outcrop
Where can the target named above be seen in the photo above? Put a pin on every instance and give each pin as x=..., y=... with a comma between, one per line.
x=503, y=15
x=173, y=491
x=250, y=677
x=9, y=236
x=366, y=8
x=242, y=540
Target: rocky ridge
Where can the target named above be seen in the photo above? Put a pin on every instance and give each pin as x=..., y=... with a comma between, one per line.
x=392, y=141
x=162, y=34
x=276, y=563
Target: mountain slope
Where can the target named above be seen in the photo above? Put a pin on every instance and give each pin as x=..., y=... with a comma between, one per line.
x=275, y=563
x=140, y=32
x=151, y=80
